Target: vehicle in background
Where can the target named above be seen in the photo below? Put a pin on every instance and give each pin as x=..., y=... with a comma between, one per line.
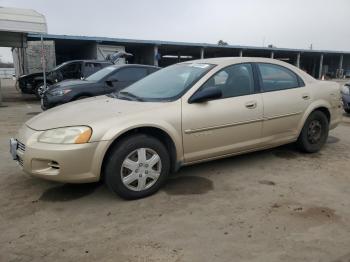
x=107, y=80
x=345, y=92
x=183, y=114
x=347, y=73
x=75, y=69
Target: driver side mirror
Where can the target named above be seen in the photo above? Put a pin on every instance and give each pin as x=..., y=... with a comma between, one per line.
x=110, y=81
x=206, y=94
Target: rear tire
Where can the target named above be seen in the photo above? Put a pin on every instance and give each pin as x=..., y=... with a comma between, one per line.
x=314, y=133
x=137, y=167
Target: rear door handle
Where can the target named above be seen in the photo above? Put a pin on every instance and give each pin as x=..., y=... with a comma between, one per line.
x=306, y=96
x=251, y=105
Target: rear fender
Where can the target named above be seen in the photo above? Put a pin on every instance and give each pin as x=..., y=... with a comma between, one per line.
x=312, y=107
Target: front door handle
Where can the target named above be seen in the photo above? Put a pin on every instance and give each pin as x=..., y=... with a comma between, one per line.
x=251, y=105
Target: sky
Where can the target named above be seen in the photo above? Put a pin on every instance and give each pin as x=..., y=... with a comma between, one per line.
x=283, y=23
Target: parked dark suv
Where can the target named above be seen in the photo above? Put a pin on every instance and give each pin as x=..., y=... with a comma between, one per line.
x=108, y=80
x=76, y=69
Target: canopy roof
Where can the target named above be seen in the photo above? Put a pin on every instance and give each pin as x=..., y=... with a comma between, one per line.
x=16, y=23
x=22, y=21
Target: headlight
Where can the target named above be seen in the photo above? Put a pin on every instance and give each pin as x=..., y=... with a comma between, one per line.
x=66, y=135
x=61, y=92
x=345, y=90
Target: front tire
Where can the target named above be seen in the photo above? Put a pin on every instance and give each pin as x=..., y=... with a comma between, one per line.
x=40, y=90
x=37, y=89
x=137, y=167
x=314, y=133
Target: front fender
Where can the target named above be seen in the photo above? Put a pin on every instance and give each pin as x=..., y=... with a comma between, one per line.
x=115, y=132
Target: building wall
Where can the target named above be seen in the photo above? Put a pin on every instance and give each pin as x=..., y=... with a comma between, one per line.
x=29, y=60
x=81, y=47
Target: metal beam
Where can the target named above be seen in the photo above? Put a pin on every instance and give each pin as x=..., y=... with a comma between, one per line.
x=43, y=60
x=272, y=54
x=298, y=61
x=341, y=61
x=241, y=53
x=202, y=53
x=155, y=56
x=320, y=68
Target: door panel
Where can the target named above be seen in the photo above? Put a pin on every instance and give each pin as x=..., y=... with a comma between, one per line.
x=283, y=111
x=285, y=100
x=220, y=127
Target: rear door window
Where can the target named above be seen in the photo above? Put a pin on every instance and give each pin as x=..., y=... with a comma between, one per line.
x=91, y=68
x=276, y=77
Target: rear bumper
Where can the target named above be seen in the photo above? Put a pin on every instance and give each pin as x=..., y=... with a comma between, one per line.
x=346, y=101
x=69, y=163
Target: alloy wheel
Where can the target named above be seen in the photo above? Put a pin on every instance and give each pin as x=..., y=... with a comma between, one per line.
x=141, y=169
x=314, y=133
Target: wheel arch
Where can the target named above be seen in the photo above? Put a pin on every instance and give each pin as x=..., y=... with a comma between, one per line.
x=322, y=106
x=153, y=131
x=75, y=97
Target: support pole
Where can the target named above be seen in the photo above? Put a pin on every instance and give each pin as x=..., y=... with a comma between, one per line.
x=43, y=60
x=0, y=94
x=202, y=53
x=272, y=55
x=341, y=62
x=298, y=61
x=155, y=56
x=340, y=71
x=240, y=53
x=320, y=68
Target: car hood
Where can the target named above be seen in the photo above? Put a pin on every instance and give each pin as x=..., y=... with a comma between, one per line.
x=88, y=112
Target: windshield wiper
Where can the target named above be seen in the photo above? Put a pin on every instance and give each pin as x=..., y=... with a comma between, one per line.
x=130, y=95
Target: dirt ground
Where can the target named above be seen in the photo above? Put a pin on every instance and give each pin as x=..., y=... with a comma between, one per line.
x=274, y=205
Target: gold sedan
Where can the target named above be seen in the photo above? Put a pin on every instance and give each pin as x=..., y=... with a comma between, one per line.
x=183, y=114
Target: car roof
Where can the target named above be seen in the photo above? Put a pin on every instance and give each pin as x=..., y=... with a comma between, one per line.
x=135, y=65
x=234, y=60
x=226, y=61
x=91, y=61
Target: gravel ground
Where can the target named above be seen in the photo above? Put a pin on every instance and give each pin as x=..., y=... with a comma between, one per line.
x=274, y=205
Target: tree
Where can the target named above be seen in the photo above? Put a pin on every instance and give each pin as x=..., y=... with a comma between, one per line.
x=222, y=43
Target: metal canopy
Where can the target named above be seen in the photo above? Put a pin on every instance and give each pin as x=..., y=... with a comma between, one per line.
x=16, y=23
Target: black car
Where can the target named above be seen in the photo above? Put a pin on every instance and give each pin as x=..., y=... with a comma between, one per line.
x=108, y=80
x=75, y=69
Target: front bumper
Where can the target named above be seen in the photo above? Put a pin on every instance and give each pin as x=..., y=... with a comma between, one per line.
x=48, y=101
x=68, y=163
x=26, y=87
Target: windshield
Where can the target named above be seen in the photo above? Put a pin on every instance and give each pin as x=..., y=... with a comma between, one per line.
x=100, y=74
x=167, y=84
